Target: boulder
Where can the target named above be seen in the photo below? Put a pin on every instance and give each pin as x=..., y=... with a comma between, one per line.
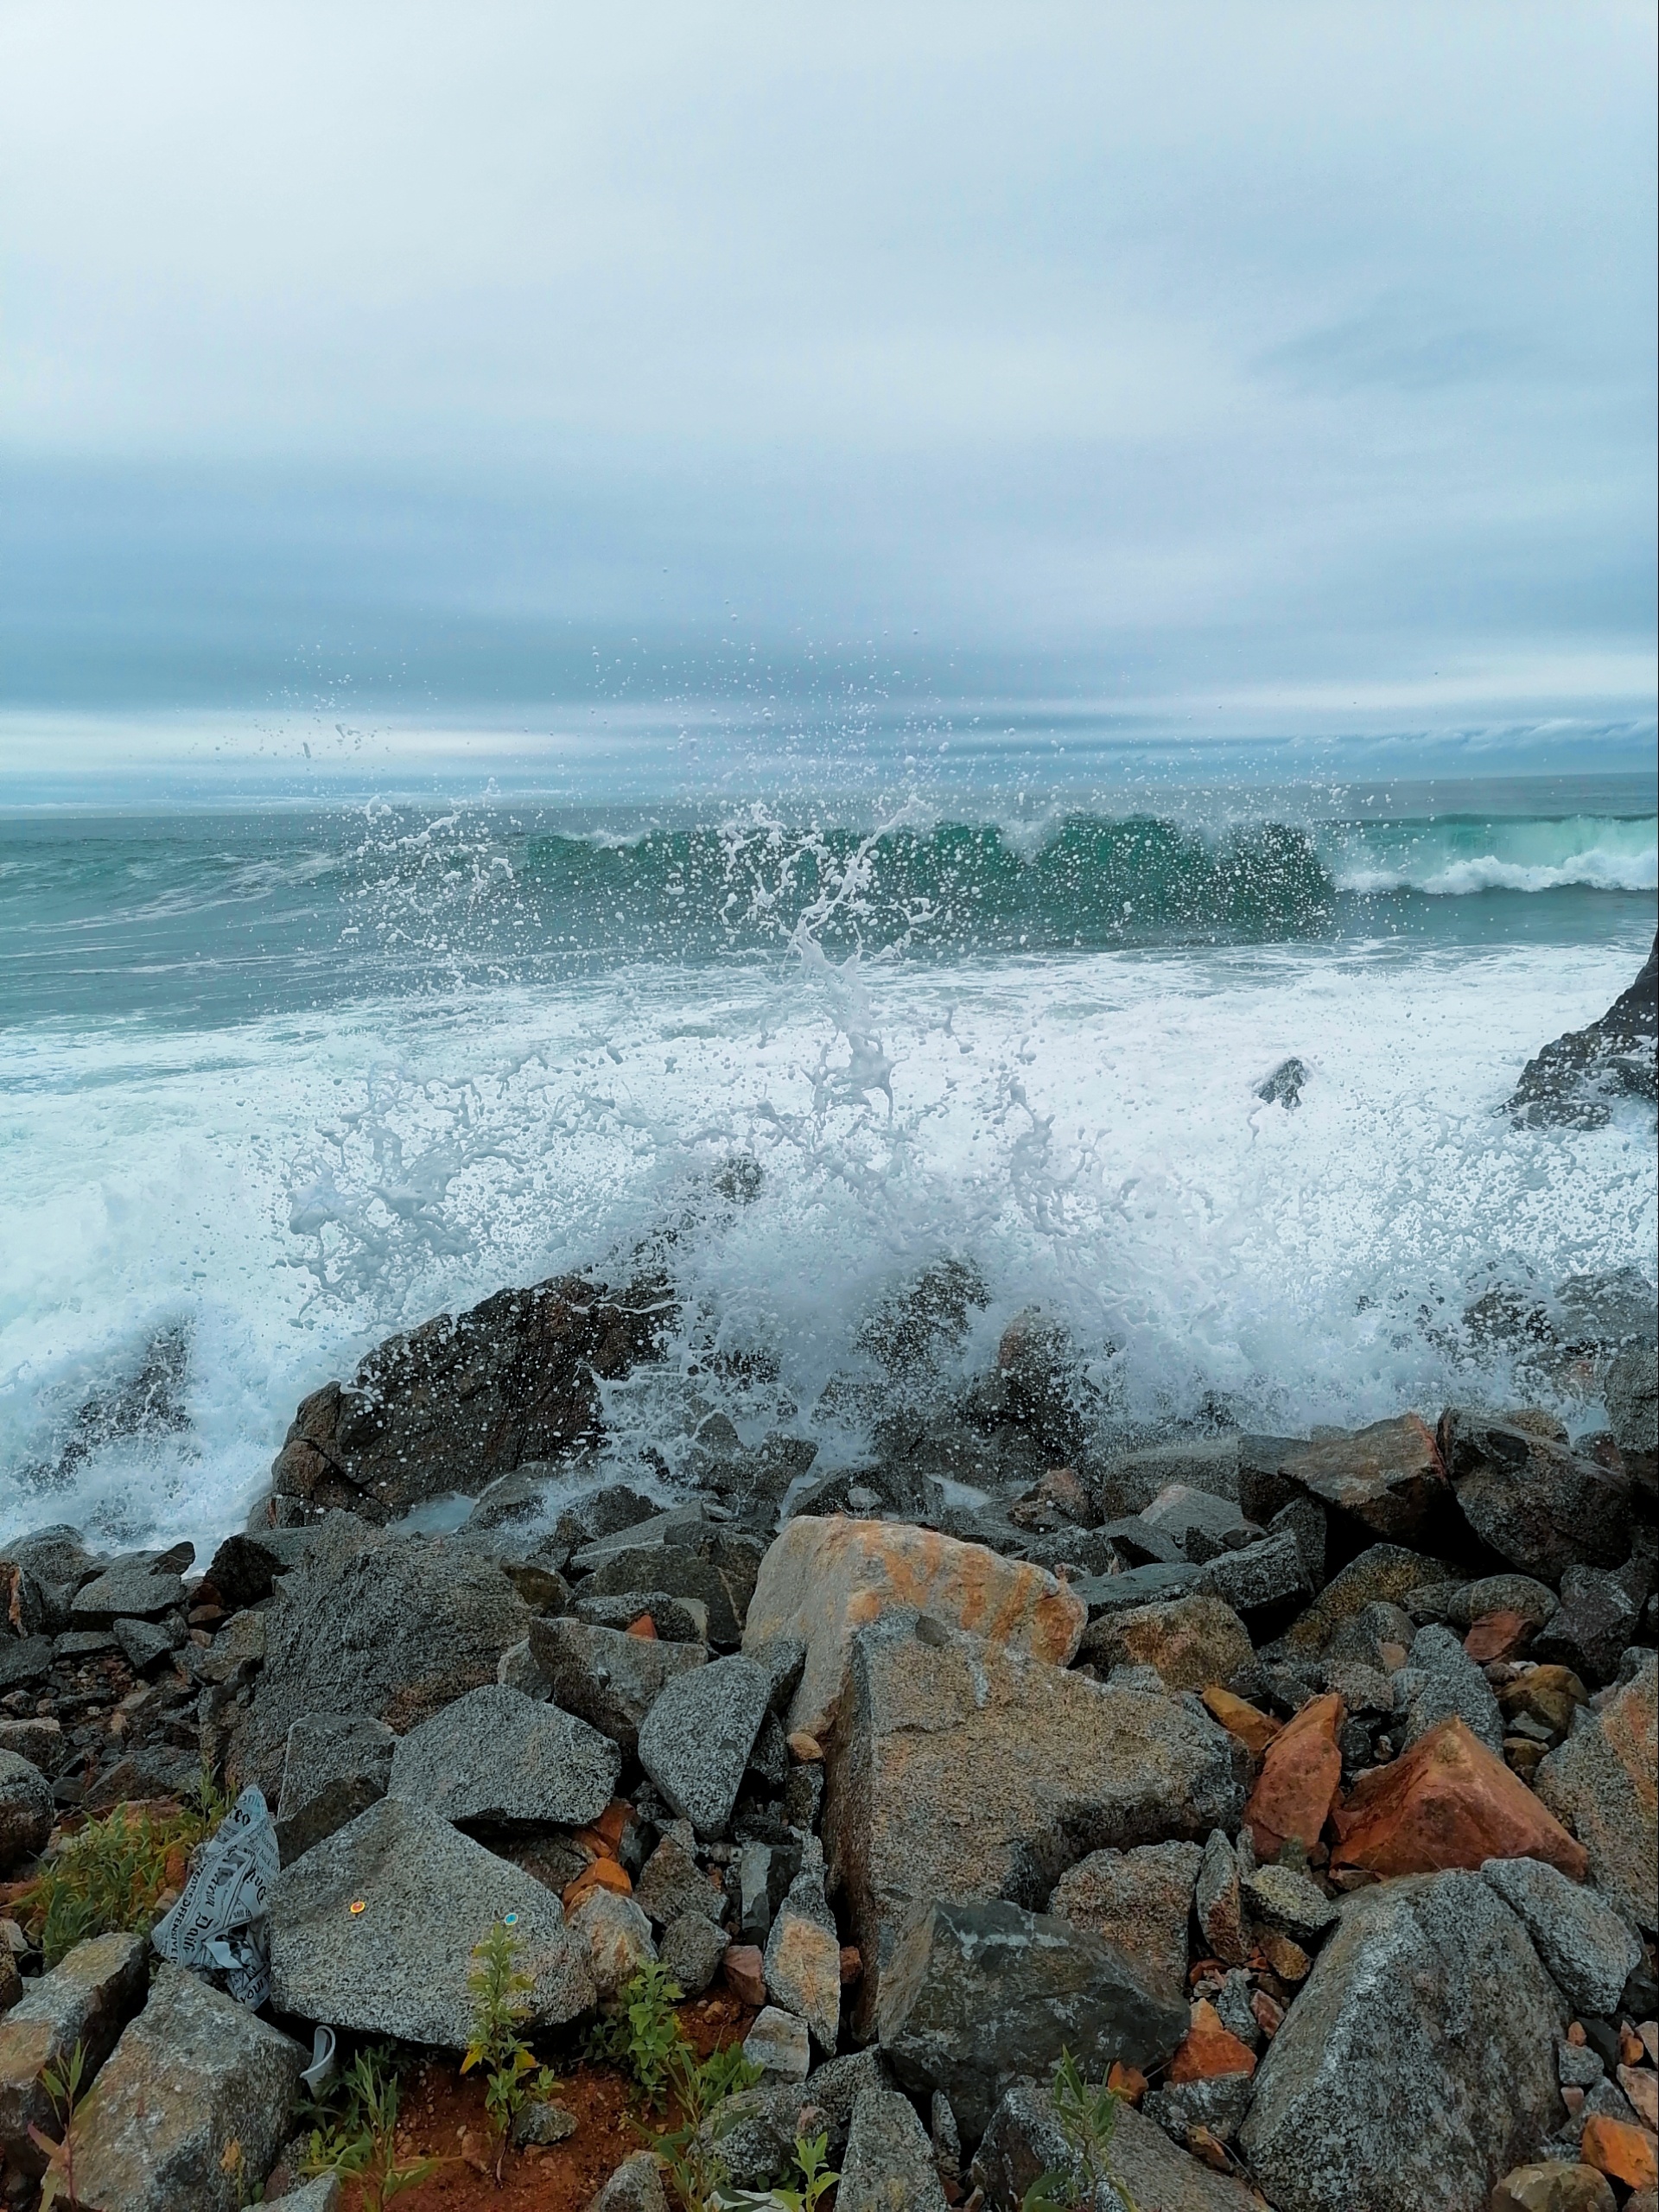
x=695, y=1741
x=758, y=2127
x=1534, y=1601
x=823, y=1580
x=87, y=1998
x=395, y=1628
x=1602, y=1784
x=1141, y=1901
x=617, y=1937
x=1594, y=1624
x=1198, y=1523
x=1218, y=1901
x=1447, y=1802
x=1440, y=1681
x=966, y=1770
x=1575, y=1081
x=336, y=1766
x=1417, y=2065
x=803, y=1958
x=1389, y=1477
x=1192, y=1641
x=887, y=2165
x=1630, y=1388
x=245, y=1569
x=670, y=1884
x=1300, y=1772
x=496, y=1756
x=1589, y=1951
x=463, y=1399
x=1262, y=1576
x=676, y=1620
x=125, y=1593
x=424, y=1895
x=27, y=1809
x=191, y=2108
x=1385, y=1574
x=1533, y=1501
x=1129, y=1483
x=974, y=1995
x=607, y=1677
x=1024, y=2140
x=1548, y=2185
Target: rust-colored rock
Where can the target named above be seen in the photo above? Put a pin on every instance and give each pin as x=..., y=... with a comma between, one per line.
x=744, y=1972
x=1447, y=1802
x=1504, y=1635
x=1622, y=2152
x=1254, y=1729
x=805, y=1749
x=1546, y=1695
x=1128, y=2082
x=597, y=1874
x=645, y=1628
x=1298, y=1778
x=1208, y=2049
x=1389, y=1476
x=825, y=1579
x=1282, y=1955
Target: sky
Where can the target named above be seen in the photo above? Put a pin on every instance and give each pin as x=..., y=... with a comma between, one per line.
x=1224, y=372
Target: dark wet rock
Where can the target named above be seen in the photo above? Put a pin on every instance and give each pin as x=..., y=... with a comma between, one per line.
x=1038, y=1386
x=27, y=1810
x=670, y=1884
x=245, y=1569
x=1389, y=1477
x=400, y=1966
x=1151, y=1584
x=1575, y=1081
x=752, y=1482
x=1190, y=1642
x=1262, y=1577
x=43, y=1572
x=86, y=2001
x=145, y=1645
x=192, y=2075
x=1418, y=2063
x=1534, y=1601
x=496, y=1756
x=1024, y=2140
x=607, y=1677
x=1588, y=1950
x=24, y=1660
x=1440, y=1682
x=1140, y=1900
x=676, y=1620
x=974, y=1995
x=964, y=1771
x=337, y=1764
x=1307, y=1521
x=1198, y=1523
x=887, y=2165
x=1630, y=1388
x=1601, y=1785
x=149, y=1399
x=1129, y=1482
x=1284, y=1086
x=1135, y=1542
x=520, y=1497
x=1534, y=1502
x=695, y=1741
x=1594, y=1626
x=714, y=1566
x=464, y=1399
x=1387, y=1572
x=395, y=1628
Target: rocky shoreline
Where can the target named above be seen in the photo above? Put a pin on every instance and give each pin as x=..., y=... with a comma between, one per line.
x=1304, y=1787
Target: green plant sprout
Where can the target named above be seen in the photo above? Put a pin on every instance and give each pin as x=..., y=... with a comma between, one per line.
x=500, y=1988
x=690, y=2154
x=642, y=2032
x=62, y=2084
x=357, y=2131
x=1087, y=2120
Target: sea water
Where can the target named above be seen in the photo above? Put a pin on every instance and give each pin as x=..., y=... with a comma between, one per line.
x=277, y=1080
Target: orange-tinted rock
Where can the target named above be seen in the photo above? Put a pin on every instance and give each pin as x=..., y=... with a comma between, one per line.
x=1546, y=1695
x=745, y=1972
x=1256, y=1730
x=644, y=1627
x=1299, y=1779
x=1208, y=2049
x=1270, y=2016
x=1502, y=1635
x=825, y=1579
x=1128, y=2082
x=1283, y=1954
x=1447, y=1802
x=1389, y=1475
x=1622, y=2152
x=806, y=1750
x=852, y=1964
x=598, y=1874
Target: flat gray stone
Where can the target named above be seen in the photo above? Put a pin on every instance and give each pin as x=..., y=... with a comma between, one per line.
x=635, y=2186
x=496, y=1756
x=1141, y=1901
x=618, y=1936
x=1502, y=1594
x=887, y=2165
x=779, y=2042
x=145, y=1645
x=1267, y=1572
x=130, y=1593
x=695, y=1741
x=338, y=1765
x=400, y=1967
x=87, y=1998
x=1289, y=1901
x=193, y=2074
x=1589, y=1950
x=803, y=1958
x=671, y=1884
x=607, y=1677
x=24, y=1660
x=1418, y=2062
x=1601, y=1785
x=976, y=1995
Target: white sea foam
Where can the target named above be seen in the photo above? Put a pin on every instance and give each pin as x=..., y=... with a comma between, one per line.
x=1454, y=859
x=1086, y=1128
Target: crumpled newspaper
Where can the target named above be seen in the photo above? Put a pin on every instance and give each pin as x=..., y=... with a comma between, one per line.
x=220, y=1925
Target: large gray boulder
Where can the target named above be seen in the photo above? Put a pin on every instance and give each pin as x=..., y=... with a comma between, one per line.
x=707, y=1564
x=191, y=2109
x=887, y=2165
x=86, y=1999
x=1575, y=1080
x=974, y=1995
x=1601, y=1785
x=395, y=1628
x=336, y=1766
x=1589, y=1950
x=496, y=1756
x=1141, y=1901
x=960, y=1770
x=607, y=1677
x=695, y=1741
x=1418, y=2064
x=374, y=1930
x=1024, y=2140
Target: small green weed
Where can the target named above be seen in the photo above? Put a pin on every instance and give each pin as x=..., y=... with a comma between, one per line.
x=642, y=2033
x=690, y=2154
x=1088, y=2119
x=108, y=1878
x=817, y=2178
x=62, y=2084
x=355, y=2131
x=499, y=2012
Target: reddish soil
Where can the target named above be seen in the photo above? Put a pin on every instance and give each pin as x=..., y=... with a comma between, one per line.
x=443, y=2118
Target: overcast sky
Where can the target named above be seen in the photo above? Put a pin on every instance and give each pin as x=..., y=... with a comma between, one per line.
x=1279, y=364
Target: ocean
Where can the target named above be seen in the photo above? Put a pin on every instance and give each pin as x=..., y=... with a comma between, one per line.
x=277, y=1079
